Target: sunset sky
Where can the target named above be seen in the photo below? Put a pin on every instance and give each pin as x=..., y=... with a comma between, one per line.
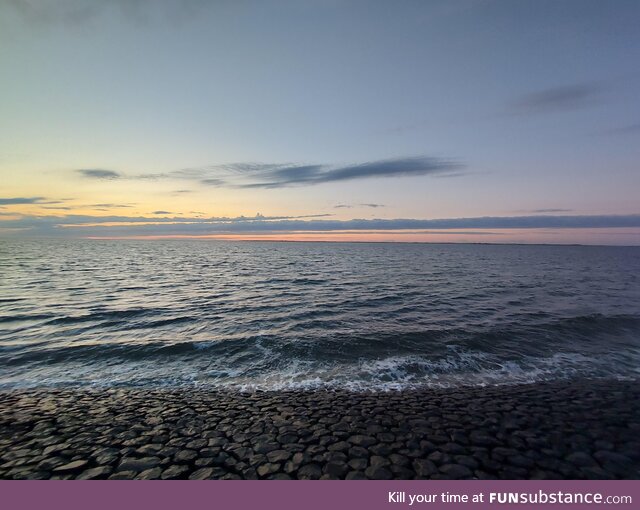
x=457, y=121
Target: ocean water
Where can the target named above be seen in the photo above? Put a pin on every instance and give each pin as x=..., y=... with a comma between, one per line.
x=313, y=315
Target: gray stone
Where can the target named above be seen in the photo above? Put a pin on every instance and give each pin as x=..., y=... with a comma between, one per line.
x=380, y=449
x=266, y=447
x=604, y=456
x=278, y=455
x=337, y=469
x=456, y=471
x=279, y=476
x=310, y=472
x=424, y=467
x=581, y=459
x=174, y=472
x=358, y=464
x=186, y=456
x=360, y=440
x=482, y=439
x=439, y=458
x=150, y=474
x=202, y=474
x=196, y=444
x=467, y=461
x=340, y=446
x=358, y=452
x=376, y=460
x=378, y=473
x=133, y=464
x=123, y=475
x=72, y=466
x=399, y=460
x=95, y=473
x=267, y=469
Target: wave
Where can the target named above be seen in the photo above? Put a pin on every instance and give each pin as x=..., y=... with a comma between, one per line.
x=591, y=346
x=574, y=332
x=387, y=374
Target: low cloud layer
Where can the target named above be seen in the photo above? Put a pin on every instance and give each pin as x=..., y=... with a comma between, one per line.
x=349, y=206
x=21, y=200
x=546, y=211
x=84, y=225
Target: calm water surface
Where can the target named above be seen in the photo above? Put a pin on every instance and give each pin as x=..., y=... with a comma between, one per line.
x=292, y=315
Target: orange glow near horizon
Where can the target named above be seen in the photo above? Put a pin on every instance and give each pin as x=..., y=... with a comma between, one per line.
x=502, y=236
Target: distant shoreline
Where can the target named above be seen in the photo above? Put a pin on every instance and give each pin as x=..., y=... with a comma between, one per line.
x=193, y=238
x=564, y=429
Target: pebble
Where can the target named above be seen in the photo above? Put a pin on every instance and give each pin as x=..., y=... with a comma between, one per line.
x=570, y=429
x=95, y=473
x=129, y=464
x=75, y=465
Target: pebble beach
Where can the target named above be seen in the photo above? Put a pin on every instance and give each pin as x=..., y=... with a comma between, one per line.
x=581, y=429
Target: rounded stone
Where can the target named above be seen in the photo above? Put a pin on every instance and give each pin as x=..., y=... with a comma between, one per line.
x=361, y=440
x=133, y=464
x=150, y=474
x=202, y=474
x=581, y=459
x=75, y=465
x=174, y=472
x=456, y=471
x=378, y=473
x=424, y=467
x=123, y=475
x=358, y=464
x=337, y=469
x=311, y=471
x=278, y=456
x=186, y=455
x=340, y=446
x=95, y=473
x=267, y=469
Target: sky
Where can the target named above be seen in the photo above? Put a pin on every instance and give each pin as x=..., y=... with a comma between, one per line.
x=435, y=120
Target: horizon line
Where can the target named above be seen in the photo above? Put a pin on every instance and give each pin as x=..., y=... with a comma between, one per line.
x=219, y=239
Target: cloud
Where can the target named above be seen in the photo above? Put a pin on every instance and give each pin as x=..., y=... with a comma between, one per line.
x=98, y=173
x=549, y=210
x=282, y=175
x=213, y=182
x=85, y=225
x=297, y=175
x=72, y=13
x=161, y=212
x=349, y=206
x=556, y=99
x=630, y=129
x=21, y=200
x=114, y=206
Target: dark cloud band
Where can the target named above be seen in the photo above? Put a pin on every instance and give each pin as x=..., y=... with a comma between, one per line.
x=91, y=225
x=98, y=173
x=21, y=200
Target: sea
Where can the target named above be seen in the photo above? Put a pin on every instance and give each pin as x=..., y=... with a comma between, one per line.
x=285, y=316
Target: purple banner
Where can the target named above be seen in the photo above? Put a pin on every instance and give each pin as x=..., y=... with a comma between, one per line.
x=312, y=495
